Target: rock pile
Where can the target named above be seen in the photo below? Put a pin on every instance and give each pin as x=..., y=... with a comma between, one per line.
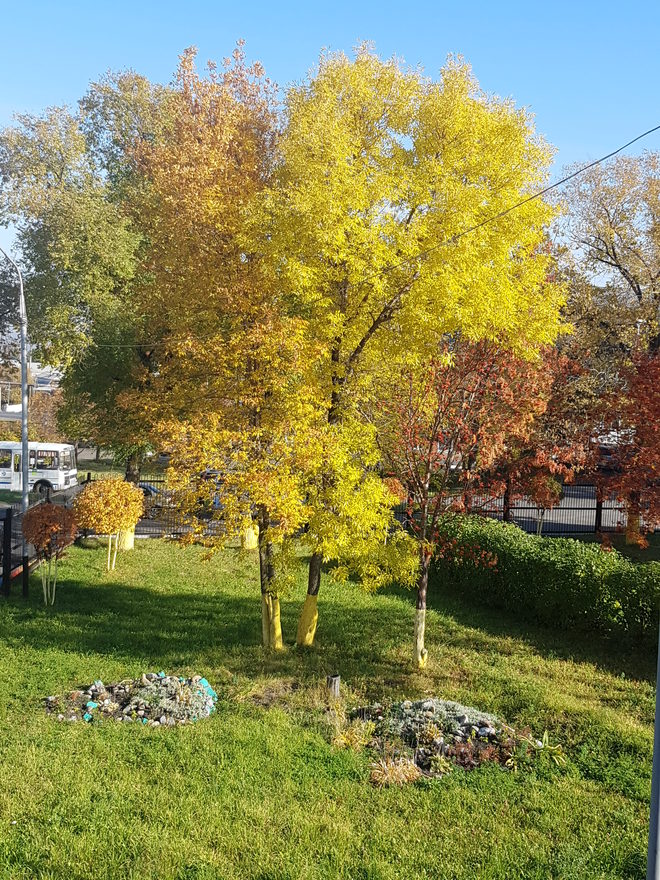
x=154, y=699
x=438, y=734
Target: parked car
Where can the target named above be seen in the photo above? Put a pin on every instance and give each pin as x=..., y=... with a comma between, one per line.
x=156, y=499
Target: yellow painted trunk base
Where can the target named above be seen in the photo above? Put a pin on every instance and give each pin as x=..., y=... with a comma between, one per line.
x=421, y=654
x=271, y=625
x=275, y=624
x=126, y=540
x=250, y=538
x=307, y=622
x=265, y=619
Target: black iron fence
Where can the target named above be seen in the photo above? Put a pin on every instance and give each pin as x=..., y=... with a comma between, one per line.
x=580, y=511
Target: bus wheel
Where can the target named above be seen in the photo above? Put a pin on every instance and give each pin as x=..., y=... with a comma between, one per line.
x=42, y=488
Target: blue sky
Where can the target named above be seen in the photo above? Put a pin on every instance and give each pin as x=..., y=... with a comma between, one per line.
x=589, y=71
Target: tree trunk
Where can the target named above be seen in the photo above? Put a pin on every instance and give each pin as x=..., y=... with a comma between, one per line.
x=275, y=633
x=598, y=525
x=97, y=457
x=271, y=627
x=506, y=501
x=126, y=539
x=421, y=654
x=133, y=468
x=633, y=525
x=250, y=537
x=309, y=615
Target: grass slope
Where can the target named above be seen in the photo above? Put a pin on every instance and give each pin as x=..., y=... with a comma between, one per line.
x=259, y=793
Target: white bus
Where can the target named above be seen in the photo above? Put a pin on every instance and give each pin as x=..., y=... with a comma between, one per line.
x=52, y=466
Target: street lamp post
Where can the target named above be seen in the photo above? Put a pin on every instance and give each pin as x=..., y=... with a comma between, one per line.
x=653, y=863
x=25, y=466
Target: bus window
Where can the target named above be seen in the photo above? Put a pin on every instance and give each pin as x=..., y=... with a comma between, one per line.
x=32, y=460
x=47, y=460
x=17, y=462
x=65, y=460
x=5, y=458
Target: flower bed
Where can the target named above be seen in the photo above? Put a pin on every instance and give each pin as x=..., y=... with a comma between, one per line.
x=431, y=737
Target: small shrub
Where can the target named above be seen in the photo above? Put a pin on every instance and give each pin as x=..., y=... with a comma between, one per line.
x=109, y=507
x=393, y=771
x=50, y=528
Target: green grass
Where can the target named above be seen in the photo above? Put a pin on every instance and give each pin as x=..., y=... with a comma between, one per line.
x=260, y=793
x=109, y=468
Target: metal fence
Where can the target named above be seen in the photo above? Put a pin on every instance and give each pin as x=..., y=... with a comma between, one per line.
x=11, y=543
x=580, y=511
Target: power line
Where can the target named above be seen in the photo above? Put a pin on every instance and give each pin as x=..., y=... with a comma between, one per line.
x=537, y=195
x=445, y=241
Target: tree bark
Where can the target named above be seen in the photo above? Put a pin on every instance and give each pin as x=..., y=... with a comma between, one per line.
x=126, y=539
x=506, y=501
x=271, y=627
x=133, y=468
x=633, y=525
x=421, y=654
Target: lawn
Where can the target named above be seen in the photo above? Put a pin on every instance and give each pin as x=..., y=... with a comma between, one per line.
x=257, y=791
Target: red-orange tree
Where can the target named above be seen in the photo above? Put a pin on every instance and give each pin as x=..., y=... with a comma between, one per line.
x=635, y=464
x=443, y=425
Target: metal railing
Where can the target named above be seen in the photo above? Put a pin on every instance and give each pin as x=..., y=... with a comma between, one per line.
x=580, y=511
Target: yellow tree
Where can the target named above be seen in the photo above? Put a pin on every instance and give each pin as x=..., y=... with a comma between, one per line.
x=217, y=389
x=380, y=171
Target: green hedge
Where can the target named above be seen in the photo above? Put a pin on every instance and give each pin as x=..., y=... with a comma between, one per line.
x=559, y=581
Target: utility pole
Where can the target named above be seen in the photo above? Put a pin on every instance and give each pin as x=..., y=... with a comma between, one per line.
x=25, y=465
x=653, y=863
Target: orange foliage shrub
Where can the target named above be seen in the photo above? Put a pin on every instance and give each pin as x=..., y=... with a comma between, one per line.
x=50, y=529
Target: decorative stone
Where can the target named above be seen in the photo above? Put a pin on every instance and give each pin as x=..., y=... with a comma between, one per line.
x=159, y=700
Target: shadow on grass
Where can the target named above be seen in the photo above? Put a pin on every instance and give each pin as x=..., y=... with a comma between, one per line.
x=193, y=630
x=478, y=624
x=362, y=638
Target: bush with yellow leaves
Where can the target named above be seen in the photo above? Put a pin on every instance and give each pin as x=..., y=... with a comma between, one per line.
x=109, y=507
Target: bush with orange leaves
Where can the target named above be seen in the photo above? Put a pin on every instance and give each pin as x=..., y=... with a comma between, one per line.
x=109, y=507
x=50, y=529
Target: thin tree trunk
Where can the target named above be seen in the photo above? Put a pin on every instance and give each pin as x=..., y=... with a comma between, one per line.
x=271, y=627
x=54, y=584
x=109, y=550
x=633, y=524
x=506, y=501
x=275, y=624
x=421, y=654
x=309, y=615
x=114, y=558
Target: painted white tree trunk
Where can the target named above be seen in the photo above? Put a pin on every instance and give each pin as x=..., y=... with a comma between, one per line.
x=421, y=654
